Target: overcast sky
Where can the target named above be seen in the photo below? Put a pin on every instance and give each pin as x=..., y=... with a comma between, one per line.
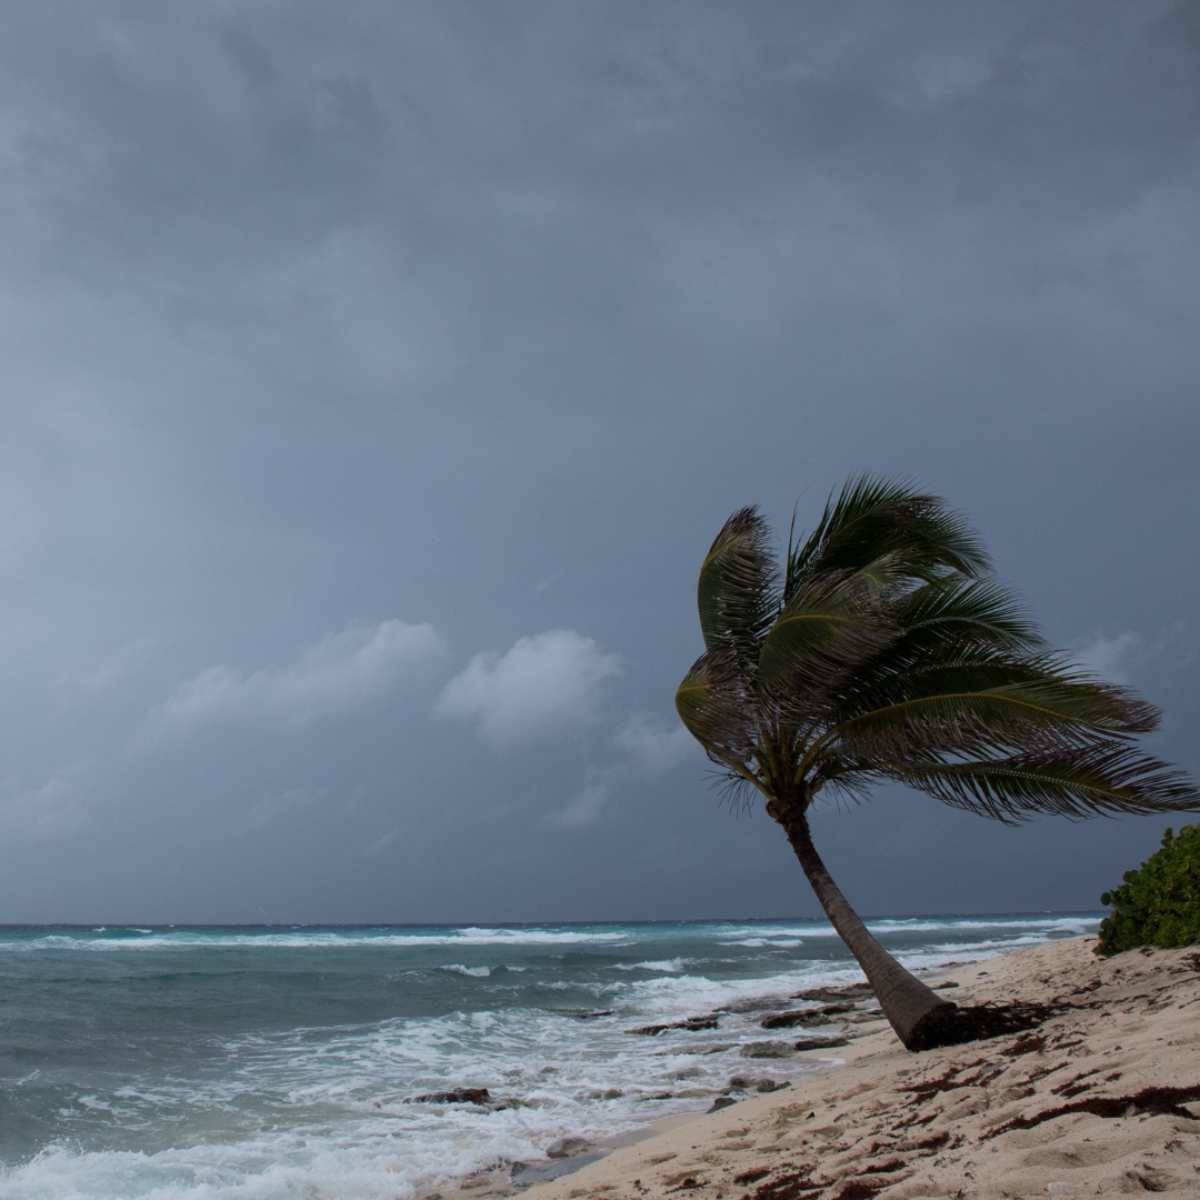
x=374, y=376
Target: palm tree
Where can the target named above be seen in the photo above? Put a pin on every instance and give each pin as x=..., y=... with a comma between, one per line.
x=883, y=649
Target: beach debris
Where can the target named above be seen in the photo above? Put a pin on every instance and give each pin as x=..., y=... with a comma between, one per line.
x=454, y=1096
x=1164, y=1101
x=885, y=1168
x=821, y=1043
x=953, y=1078
x=690, y=1025
x=752, y=1176
x=1027, y=1043
x=789, y=1186
x=767, y=1050
x=567, y=1146
x=959, y=1025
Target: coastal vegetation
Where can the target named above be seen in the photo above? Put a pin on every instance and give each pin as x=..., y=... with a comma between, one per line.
x=882, y=648
x=1158, y=905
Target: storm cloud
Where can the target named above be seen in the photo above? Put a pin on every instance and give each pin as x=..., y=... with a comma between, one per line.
x=374, y=377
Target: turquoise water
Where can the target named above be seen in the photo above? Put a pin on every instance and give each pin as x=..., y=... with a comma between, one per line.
x=263, y=1063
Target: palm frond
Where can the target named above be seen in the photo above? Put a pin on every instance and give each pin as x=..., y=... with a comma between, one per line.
x=981, y=611
x=737, y=590
x=981, y=715
x=735, y=791
x=715, y=706
x=1106, y=778
x=902, y=672
x=871, y=518
x=826, y=623
x=889, y=653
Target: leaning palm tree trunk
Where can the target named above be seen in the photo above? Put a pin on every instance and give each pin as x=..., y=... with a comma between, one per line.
x=914, y=1011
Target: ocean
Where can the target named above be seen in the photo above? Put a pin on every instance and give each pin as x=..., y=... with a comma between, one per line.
x=268, y=1063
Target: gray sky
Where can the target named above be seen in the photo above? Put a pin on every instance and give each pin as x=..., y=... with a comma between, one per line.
x=374, y=377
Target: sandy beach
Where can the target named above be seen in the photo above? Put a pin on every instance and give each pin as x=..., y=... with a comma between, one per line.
x=1102, y=1098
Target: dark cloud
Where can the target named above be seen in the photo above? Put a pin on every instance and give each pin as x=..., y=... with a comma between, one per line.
x=324, y=324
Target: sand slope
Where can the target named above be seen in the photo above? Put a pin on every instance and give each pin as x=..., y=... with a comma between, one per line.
x=1008, y=1117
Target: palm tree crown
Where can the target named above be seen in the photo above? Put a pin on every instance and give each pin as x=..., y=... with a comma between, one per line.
x=881, y=648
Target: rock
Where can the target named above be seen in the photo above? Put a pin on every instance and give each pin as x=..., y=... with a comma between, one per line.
x=827, y=1043
x=692, y=1025
x=855, y=991
x=565, y=1147
x=805, y=1016
x=583, y=1014
x=721, y=1102
x=767, y=1050
x=457, y=1096
x=704, y=1048
x=785, y=1020
x=864, y=1016
x=751, y=1004
x=740, y=1083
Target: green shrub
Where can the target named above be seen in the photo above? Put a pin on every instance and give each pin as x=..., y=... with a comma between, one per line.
x=1160, y=904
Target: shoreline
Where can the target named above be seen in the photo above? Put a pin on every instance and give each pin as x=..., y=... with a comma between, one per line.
x=863, y=1020
x=1102, y=1098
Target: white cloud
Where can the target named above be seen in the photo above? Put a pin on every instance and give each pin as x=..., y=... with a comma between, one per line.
x=652, y=747
x=541, y=688
x=1124, y=656
x=340, y=672
x=1112, y=658
x=646, y=747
